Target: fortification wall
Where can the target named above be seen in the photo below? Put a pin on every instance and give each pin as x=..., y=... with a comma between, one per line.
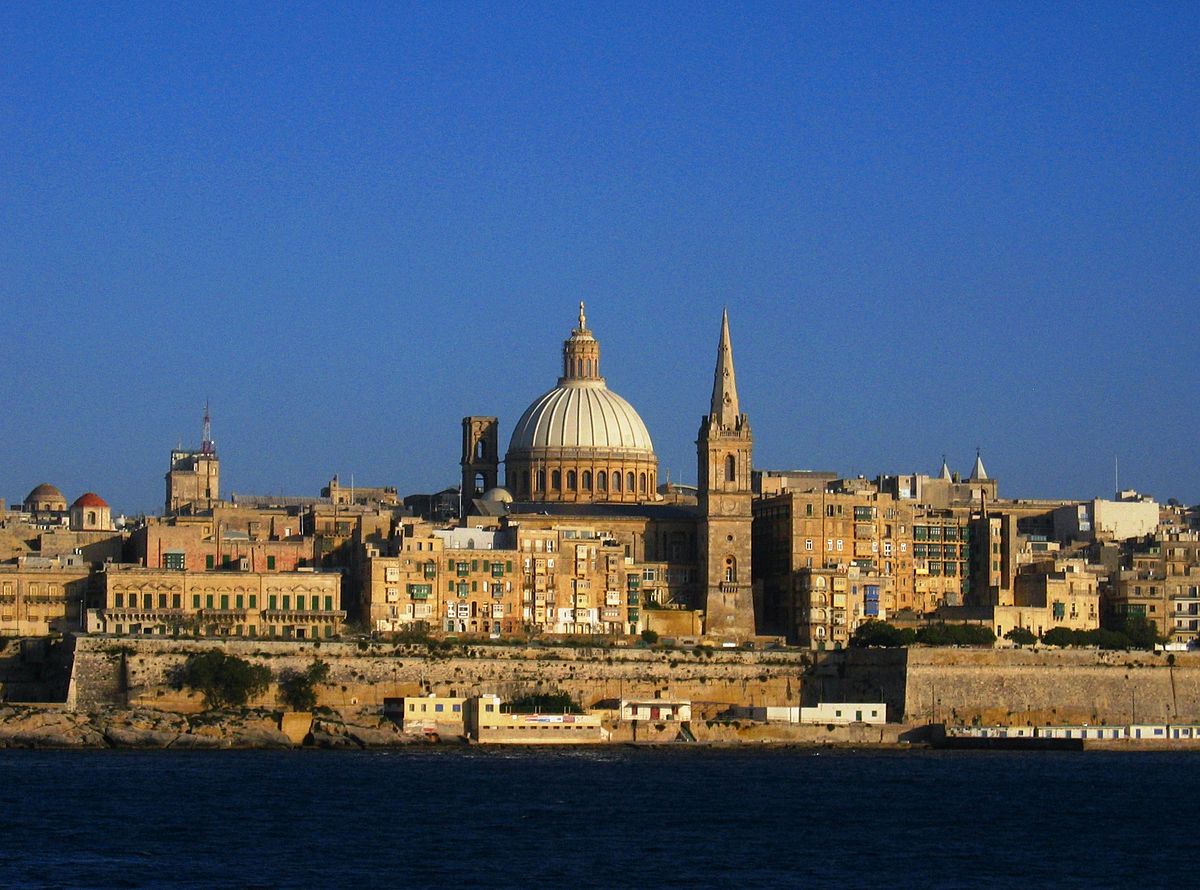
x=1050, y=686
x=139, y=671
x=919, y=685
x=1014, y=686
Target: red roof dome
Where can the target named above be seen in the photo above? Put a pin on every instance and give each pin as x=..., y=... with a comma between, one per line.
x=89, y=499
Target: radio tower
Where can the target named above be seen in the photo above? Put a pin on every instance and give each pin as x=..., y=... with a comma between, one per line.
x=207, y=446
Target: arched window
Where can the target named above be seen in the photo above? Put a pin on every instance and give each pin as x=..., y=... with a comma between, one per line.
x=629, y=483
x=525, y=482
x=541, y=480
x=731, y=570
x=587, y=480
x=730, y=468
x=570, y=480
x=587, y=364
x=556, y=479
x=642, y=483
x=480, y=450
x=602, y=481
x=617, y=481
x=480, y=482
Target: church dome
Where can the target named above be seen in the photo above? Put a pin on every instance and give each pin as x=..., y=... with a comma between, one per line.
x=580, y=442
x=46, y=498
x=89, y=499
x=581, y=414
x=497, y=496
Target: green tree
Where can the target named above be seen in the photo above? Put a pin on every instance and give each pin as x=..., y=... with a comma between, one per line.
x=298, y=689
x=1022, y=636
x=650, y=636
x=224, y=680
x=544, y=702
x=880, y=633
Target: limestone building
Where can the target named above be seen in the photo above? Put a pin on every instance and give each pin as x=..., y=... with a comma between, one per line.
x=194, y=478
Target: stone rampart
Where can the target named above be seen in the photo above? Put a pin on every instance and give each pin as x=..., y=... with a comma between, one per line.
x=1015, y=686
x=119, y=671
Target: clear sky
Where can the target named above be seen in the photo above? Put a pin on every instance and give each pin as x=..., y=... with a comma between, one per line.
x=936, y=227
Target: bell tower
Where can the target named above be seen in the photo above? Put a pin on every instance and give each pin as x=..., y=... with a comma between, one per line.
x=480, y=456
x=723, y=455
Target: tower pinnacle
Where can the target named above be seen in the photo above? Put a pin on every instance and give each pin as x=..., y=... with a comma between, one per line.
x=724, y=396
x=582, y=318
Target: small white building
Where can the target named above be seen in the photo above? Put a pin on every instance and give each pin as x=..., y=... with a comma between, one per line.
x=845, y=712
x=656, y=710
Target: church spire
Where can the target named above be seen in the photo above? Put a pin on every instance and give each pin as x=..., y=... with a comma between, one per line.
x=978, y=473
x=724, y=396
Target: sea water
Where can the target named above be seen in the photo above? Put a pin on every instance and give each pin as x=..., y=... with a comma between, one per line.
x=587, y=817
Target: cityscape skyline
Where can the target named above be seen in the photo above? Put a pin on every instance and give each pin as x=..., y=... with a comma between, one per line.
x=935, y=230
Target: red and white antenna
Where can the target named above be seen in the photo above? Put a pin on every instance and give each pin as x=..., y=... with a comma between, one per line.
x=207, y=446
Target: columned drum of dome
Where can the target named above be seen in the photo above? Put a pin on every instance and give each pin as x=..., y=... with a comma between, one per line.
x=581, y=442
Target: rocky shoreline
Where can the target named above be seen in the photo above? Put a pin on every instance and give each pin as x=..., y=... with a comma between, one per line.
x=41, y=727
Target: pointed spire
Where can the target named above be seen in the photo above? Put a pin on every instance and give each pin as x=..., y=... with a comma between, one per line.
x=978, y=473
x=724, y=396
x=945, y=471
x=582, y=318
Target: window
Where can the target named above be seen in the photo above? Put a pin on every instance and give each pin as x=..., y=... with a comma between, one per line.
x=570, y=480
x=629, y=482
x=556, y=479
x=602, y=481
x=730, y=468
x=174, y=561
x=808, y=544
x=642, y=483
x=270, y=563
x=209, y=561
x=616, y=481
x=730, y=570
x=587, y=480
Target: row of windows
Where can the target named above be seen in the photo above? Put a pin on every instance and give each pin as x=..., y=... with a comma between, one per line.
x=178, y=561
x=224, y=601
x=583, y=481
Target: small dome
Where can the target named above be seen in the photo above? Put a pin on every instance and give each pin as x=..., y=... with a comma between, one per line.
x=89, y=499
x=497, y=496
x=45, y=492
x=581, y=414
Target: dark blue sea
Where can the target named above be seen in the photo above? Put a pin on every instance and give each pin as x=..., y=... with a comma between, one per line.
x=595, y=818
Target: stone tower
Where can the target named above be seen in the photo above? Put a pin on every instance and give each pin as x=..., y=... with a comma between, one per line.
x=724, y=450
x=194, y=479
x=480, y=456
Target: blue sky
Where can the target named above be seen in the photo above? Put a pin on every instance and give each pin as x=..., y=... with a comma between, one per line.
x=936, y=227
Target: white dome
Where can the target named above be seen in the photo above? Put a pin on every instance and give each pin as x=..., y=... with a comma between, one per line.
x=581, y=413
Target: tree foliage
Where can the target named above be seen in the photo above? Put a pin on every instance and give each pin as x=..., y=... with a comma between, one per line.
x=298, y=689
x=1130, y=632
x=224, y=680
x=544, y=702
x=1022, y=636
x=650, y=636
x=880, y=633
